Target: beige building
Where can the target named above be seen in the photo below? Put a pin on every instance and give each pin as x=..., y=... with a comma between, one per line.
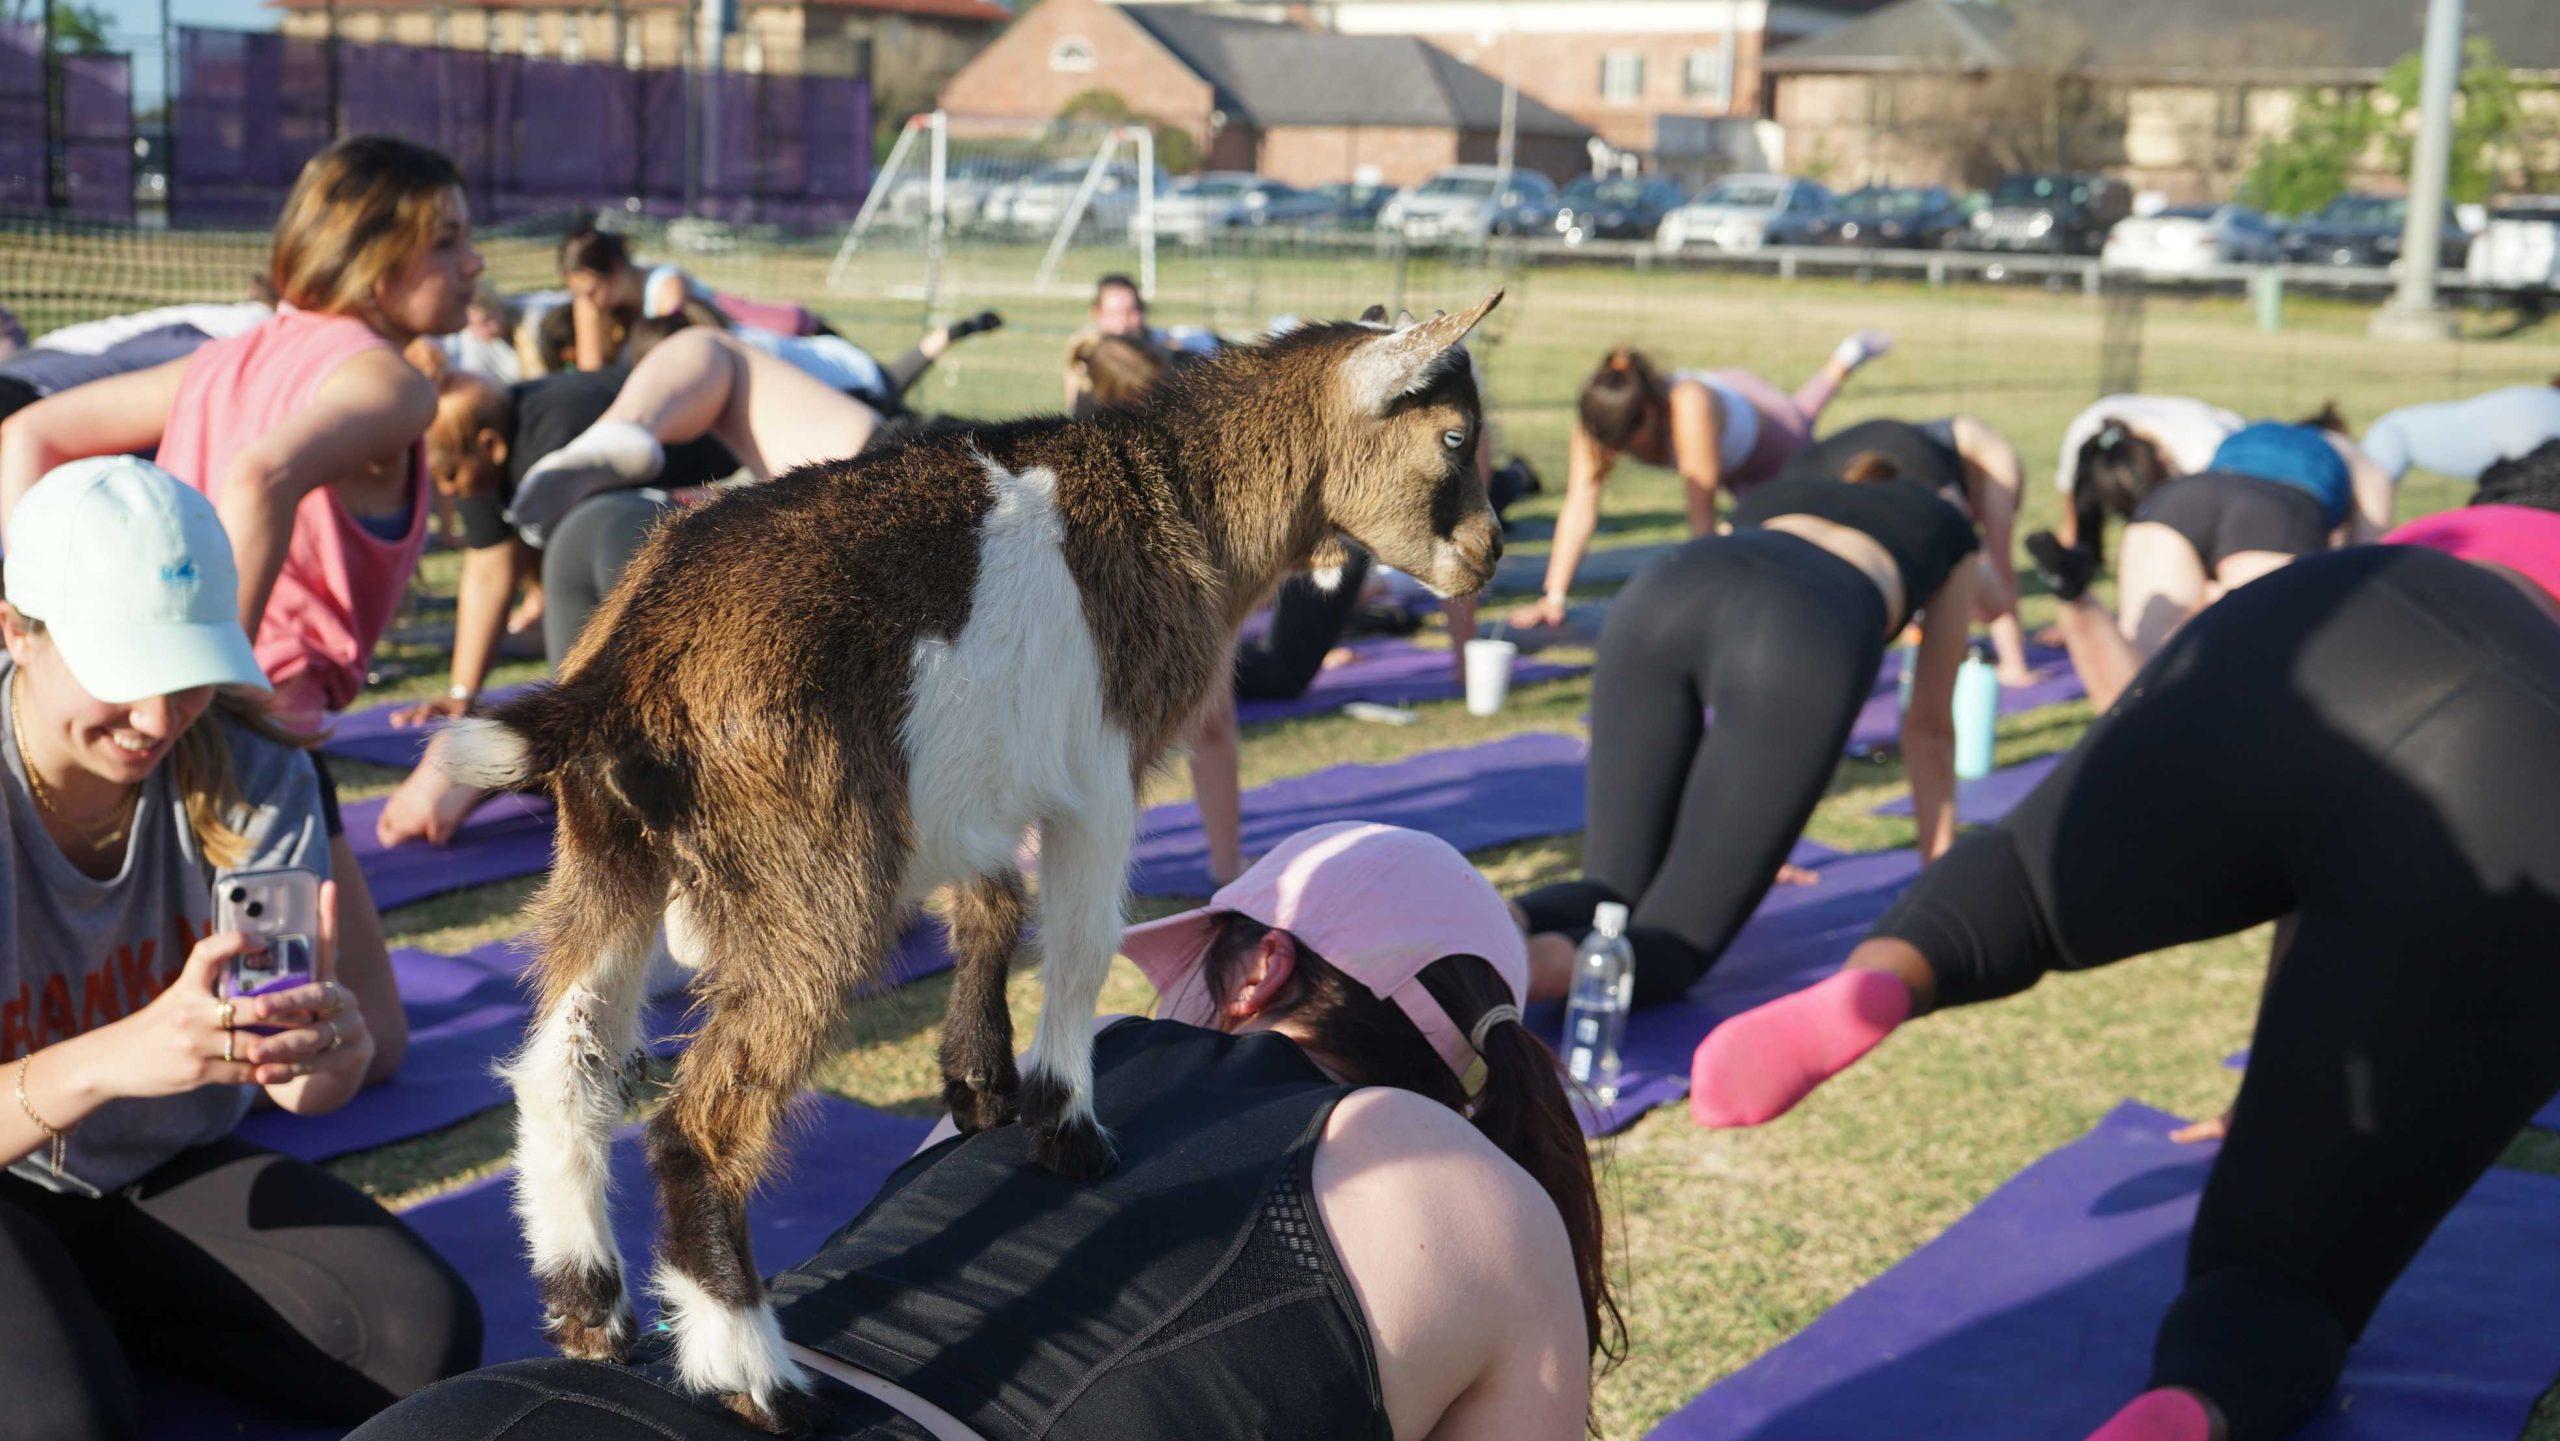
x=2173, y=96
x=912, y=45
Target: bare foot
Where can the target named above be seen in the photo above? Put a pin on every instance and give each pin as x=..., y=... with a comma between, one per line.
x=428, y=806
x=1791, y=874
x=2021, y=676
x=2211, y=1129
x=527, y=614
x=1338, y=657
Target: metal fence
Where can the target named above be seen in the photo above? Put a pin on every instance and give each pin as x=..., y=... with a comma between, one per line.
x=76, y=159
x=530, y=134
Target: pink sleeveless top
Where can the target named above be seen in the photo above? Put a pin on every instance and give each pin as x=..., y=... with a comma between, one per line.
x=340, y=584
x=2522, y=538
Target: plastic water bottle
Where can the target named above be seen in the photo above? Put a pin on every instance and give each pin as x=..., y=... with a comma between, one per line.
x=1595, y=1018
x=1977, y=706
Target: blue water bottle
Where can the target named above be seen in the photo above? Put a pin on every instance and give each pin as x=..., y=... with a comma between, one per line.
x=1977, y=706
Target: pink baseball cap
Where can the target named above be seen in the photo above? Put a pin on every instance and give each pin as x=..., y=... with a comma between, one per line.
x=1379, y=902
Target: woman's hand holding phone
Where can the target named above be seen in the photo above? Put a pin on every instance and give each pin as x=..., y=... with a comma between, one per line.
x=319, y=1057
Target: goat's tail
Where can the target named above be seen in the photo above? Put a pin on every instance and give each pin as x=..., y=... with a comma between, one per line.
x=522, y=743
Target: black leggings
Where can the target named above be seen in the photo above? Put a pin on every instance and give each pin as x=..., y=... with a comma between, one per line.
x=1688, y=823
x=1307, y=621
x=588, y=550
x=253, y=1271
x=2368, y=740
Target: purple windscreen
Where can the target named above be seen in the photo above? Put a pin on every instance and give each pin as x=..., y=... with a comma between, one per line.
x=97, y=128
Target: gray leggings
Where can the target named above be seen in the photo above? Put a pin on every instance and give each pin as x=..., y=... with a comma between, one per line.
x=588, y=550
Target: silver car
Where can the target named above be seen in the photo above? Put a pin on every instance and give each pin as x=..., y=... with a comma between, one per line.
x=2190, y=238
x=1746, y=212
x=1467, y=204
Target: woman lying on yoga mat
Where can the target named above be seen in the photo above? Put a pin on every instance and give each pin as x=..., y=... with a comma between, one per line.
x=139, y=773
x=2272, y=492
x=2362, y=741
x=1352, y=1201
x=304, y=429
x=1778, y=628
x=2124, y=447
x=1719, y=429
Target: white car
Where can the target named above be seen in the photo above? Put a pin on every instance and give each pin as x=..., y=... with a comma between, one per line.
x=1202, y=207
x=1746, y=212
x=2191, y=239
x=1470, y=203
x=1038, y=201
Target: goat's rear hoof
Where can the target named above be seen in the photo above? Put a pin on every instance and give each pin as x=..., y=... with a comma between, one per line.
x=983, y=1100
x=1075, y=1149
x=587, y=1315
x=786, y=1412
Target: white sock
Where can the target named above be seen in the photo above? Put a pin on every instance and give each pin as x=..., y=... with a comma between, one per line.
x=617, y=446
x=1860, y=348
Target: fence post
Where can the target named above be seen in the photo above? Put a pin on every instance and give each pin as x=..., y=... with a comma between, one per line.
x=57, y=177
x=2266, y=292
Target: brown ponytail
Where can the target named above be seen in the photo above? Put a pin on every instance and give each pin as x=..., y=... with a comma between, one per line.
x=1522, y=1108
x=1869, y=466
x=2114, y=473
x=1620, y=397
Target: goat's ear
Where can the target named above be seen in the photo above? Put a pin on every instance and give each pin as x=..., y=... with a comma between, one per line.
x=1374, y=315
x=1381, y=370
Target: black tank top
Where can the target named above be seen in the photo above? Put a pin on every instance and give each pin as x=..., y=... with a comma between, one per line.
x=1191, y=1292
x=1922, y=531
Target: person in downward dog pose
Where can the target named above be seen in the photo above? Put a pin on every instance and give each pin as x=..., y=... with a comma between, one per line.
x=811, y=704
x=2124, y=447
x=2273, y=492
x=2463, y=438
x=1337, y=1141
x=2361, y=741
x=1719, y=429
x=1778, y=627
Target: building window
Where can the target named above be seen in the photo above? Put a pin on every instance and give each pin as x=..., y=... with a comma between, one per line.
x=573, y=43
x=1622, y=77
x=1073, y=54
x=1702, y=78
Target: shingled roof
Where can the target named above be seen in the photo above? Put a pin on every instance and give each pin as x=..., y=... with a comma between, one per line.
x=1268, y=74
x=2335, y=40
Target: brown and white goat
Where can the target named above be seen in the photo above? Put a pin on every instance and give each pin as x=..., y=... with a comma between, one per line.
x=811, y=704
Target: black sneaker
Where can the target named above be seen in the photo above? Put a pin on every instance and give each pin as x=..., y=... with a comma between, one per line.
x=2067, y=570
x=983, y=321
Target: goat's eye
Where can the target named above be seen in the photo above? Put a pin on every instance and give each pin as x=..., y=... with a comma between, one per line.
x=1454, y=439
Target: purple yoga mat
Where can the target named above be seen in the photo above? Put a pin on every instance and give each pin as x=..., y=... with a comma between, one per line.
x=367, y=735
x=840, y=1153
x=1472, y=797
x=1799, y=935
x=465, y=1012
x=1992, y=797
x=2032, y=1318
x=508, y=837
x=1393, y=672
x=1879, y=724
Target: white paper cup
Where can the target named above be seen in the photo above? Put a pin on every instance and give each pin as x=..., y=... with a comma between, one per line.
x=1488, y=667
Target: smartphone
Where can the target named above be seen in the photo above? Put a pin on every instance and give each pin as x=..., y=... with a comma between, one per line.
x=281, y=910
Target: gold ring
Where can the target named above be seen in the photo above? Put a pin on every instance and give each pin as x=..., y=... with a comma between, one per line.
x=228, y=1039
x=222, y=1013
x=336, y=1038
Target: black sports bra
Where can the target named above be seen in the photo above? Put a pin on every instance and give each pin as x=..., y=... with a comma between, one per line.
x=1923, y=532
x=1191, y=1292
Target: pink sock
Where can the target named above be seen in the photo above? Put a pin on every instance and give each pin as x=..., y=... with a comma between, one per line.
x=1755, y=1067
x=2163, y=1415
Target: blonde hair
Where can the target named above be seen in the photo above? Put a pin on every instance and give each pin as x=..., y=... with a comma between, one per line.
x=361, y=208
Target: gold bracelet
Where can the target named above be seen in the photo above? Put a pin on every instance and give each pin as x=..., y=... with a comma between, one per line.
x=60, y=1142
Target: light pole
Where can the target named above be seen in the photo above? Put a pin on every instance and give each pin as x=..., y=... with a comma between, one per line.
x=2413, y=313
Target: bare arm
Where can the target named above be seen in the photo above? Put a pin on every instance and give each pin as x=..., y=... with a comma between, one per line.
x=1216, y=761
x=2375, y=495
x=106, y=417
x=1587, y=466
x=368, y=411
x=1928, y=725
x=489, y=576
x=1697, y=452
x=594, y=331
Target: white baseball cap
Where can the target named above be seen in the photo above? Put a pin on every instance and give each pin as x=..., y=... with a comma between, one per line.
x=131, y=573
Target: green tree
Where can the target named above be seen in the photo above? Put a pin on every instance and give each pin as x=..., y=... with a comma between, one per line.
x=2487, y=114
x=80, y=29
x=1176, y=152
x=2311, y=162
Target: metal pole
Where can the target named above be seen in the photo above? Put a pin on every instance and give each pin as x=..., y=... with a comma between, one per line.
x=57, y=178
x=168, y=108
x=329, y=53
x=2413, y=313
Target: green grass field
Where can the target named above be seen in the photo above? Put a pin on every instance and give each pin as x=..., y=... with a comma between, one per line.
x=1725, y=1244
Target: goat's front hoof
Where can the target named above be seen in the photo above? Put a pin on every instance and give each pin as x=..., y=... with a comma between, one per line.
x=587, y=1315
x=786, y=1412
x=1075, y=1149
x=983, y=1100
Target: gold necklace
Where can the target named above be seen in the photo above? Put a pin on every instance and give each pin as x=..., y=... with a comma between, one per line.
x=44, y=797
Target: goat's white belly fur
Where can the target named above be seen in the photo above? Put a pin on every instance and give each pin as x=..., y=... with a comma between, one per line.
x=1005, y=724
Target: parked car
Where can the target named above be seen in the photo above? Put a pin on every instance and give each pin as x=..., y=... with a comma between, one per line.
x=2365, y=230
x=1037, y=202
x=1902, y=217
x=2192, y=238
x=1202, y=207
x=2520, y=246
x=1469, y=203
x=1347, y=206
x=964, y=191
x=1746, y=212
x=1628, y=207
x=2049, y=214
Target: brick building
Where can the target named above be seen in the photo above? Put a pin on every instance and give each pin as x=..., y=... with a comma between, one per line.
x=1302, y=104
x=912, y=46
x=1676, y=82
